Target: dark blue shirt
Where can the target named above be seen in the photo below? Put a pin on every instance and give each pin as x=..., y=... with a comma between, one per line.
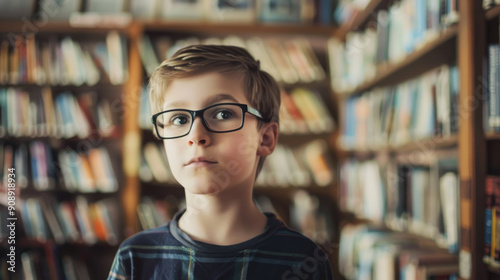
x=169, y=253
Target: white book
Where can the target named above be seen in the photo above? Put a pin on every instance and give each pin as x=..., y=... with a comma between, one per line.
x=116, y=55
x=448, y=185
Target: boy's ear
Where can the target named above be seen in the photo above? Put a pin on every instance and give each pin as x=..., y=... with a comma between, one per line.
x=268, y=139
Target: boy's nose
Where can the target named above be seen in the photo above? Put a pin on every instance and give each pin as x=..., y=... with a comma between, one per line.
x=198, y=134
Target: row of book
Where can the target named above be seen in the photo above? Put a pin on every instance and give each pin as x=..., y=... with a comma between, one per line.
x=36, y=167
x=65, y=115
x=410, y=197
x=38, y=264
x=34, y=264
x=492, y=221
x=305, y=165
x=215, y=10
x=75, y=222
x=289, y=61
x=309, y=164
x=302, y=111
x=370, y=252
x=404, y=28
x=491, y=86
x=27, y=59
x=422, y=108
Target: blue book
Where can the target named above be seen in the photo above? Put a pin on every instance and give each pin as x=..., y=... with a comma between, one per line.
x=287, y=11
x=455, y=89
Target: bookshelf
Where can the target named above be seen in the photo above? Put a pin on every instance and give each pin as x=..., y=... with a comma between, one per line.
x=69, y=180
x=474, y=145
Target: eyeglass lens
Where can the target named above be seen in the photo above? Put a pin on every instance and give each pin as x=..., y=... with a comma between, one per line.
x=221, y=118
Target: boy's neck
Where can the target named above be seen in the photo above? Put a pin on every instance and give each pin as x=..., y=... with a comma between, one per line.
x=222, y=219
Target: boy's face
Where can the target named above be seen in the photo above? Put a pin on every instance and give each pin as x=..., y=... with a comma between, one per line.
x=204, y=162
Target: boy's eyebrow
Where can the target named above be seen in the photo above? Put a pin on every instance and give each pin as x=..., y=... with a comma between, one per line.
x=209, y=101
x=219, y=97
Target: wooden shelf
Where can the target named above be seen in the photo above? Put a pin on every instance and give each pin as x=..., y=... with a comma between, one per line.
x=492, y=269
x=492, y=136
x=431, y=143
x=288, y=191
x=64, y=27
x=215, y=27
x=83, y=87
x=493, y=13
x=431, y=55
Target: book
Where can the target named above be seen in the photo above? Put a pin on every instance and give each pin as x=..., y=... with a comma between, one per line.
x=103, y=170
x=236, y=11
x=156, y=159
x=192, y=9
x=48, y=208
x=450, y=200
x=117, y=57
x=493, y=99
x=15, y=10
x=488, y=221
x=148, y=55
x=144, y=9
x=59, y=10
x=280, y=11
x=106, y=7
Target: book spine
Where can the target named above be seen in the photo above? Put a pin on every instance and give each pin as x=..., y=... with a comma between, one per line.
x=488, y=217
x=493, y=114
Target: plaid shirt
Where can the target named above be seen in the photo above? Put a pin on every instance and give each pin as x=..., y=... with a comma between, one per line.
x=168, y=253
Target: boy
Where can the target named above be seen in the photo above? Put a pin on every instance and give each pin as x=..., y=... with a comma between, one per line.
x=217, y=114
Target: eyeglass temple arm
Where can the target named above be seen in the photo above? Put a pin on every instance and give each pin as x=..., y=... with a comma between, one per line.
x=255, y=113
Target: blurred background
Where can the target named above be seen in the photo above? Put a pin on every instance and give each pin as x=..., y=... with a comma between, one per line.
x=389, y=147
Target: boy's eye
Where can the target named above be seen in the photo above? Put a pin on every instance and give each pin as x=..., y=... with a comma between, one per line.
x=223, y=114
x=179, y=120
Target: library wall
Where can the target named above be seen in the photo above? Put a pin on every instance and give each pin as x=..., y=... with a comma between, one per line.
x=81, y=167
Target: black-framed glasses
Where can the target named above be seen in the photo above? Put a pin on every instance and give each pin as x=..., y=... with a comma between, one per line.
x=218, y=118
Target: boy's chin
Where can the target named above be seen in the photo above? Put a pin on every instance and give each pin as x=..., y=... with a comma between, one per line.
x=206, y=189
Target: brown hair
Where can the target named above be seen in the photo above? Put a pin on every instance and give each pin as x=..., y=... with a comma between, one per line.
x=262, y=90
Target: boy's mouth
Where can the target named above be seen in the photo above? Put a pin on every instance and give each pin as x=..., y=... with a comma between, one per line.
x=200, y=161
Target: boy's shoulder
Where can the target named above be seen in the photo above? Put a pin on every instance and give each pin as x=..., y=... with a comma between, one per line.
x=290, y=240
x=149, y=237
